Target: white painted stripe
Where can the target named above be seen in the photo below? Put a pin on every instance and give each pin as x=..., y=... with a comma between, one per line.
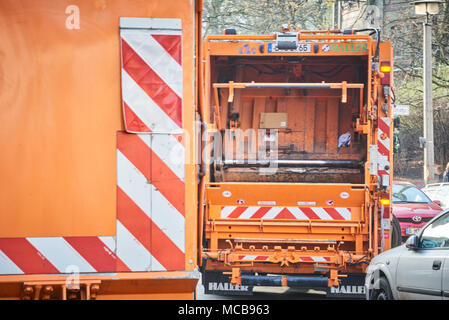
x=151, y=201
x=249, y=257
x=273, y=212
x=7, y=266
x=319, y=259
x=155, y=57
x=297, y=213
x=61, y=254
x=145, y=108
x=248, y=212
x=344, y=212
x=168, y=219
x=169, y=150
x=226, y=211
x=109, y=242
x=320, y=212
x=133, y=254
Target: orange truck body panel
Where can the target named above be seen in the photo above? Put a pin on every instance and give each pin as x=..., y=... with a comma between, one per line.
x=63, y=126
x=318, y=211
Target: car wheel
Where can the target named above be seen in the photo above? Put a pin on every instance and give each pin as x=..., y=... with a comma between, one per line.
x=384, y=291
x=396, y=236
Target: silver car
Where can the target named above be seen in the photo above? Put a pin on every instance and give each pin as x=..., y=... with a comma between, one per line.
x=419, y=269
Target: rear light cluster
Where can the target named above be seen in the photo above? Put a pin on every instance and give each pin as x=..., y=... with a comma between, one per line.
x=385, y=68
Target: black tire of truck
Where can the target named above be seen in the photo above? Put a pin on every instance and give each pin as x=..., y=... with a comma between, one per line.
x=396, y=236
x=384, y=291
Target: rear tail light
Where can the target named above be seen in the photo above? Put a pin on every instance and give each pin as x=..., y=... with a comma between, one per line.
x=385, y=68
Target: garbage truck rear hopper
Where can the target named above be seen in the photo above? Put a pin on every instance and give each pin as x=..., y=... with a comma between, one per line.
x=297, y=158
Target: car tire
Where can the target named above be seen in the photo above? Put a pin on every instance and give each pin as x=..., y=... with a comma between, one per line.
x=384, y=291
x=396, y=235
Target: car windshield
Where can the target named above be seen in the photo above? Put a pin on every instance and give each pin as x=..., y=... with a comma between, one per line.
x=403, y=193
x=438, y=193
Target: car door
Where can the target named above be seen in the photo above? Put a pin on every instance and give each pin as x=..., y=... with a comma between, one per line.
x=420, y=271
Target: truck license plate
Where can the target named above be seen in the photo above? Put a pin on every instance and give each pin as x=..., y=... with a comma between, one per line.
x=304, y=47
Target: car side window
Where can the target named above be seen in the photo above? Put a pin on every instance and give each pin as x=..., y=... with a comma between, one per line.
x=436, y=234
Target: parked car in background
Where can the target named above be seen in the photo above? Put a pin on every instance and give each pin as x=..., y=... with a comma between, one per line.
x=412, y=207
x=418, y=269
x=438, y=192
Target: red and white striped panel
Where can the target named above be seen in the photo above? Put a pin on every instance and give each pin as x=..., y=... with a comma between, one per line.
x=297, y=213
x=262, y=258
x=152, y=75
x=383, y=145
x=150, y=202
x=253, y=258
x=58, y=255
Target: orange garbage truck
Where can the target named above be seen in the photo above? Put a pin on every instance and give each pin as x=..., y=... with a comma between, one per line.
x=98, y=190
x=297, y=159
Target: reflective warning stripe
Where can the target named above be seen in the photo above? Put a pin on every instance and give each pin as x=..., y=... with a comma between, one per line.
x=267, y=258
x=383, y=144
x=152, y=80
x=297, y=213
x=253, y=258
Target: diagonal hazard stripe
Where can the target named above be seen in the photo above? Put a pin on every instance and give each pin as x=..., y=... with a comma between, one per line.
x=156, y=57
x=384, y=126
x=226, y=211
x=156, y=88
x=132, y=122
x=26, y=256
x=299, y=215
x=310, y=214
x=61, y=254
x=111, y=243
x=169, y=149
x=171, y=44
x=145, y=108
x=150, y=200
x=383, y=151
x=7, y=266
x=285, y=214
x=345, y=213
x=135, y=151
x=237, y=212
x=306, y=259
x=260, y=213
x=94, y=251
x=161, y=176
x=133, y=254
x=334, y=214
x=149, y=235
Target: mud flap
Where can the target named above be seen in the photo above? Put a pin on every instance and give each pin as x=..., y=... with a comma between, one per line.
x=351, y=287
x=215, y=282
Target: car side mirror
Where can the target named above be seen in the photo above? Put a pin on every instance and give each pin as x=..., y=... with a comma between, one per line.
x=412, y=242
x=437, y=202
